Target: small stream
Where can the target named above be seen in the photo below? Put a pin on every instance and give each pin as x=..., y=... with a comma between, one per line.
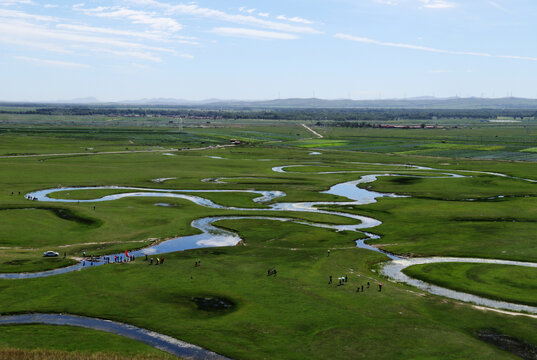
x=151, y=338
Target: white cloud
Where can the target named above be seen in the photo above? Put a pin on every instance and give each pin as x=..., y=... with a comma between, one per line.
x=24, y=33
x=58, y=63
x=253, y=34
x=14, y=14
x=437, y=4
x=294, y=19
x=195, y=10
x=365, y=40
x=149, y=35
x=141, y=55
x=135, y=16
x=263, y=14
x=16, y=2
x=499, y=7
x=48, y=6
x=428, y=4
x=387, y=2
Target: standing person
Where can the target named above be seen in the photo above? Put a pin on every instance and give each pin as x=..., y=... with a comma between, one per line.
x=151, y=262
x=346, y=278
x=328, y=252
x=362, y=288
x=330, y=280
x=380, y=287
x=368, y=284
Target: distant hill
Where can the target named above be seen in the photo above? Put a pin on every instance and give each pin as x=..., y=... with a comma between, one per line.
x=413, y=103
x=314, y=103
x=426, y=102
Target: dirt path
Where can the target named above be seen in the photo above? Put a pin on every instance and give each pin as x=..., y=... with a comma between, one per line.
x=116, y=152
x=312, y=131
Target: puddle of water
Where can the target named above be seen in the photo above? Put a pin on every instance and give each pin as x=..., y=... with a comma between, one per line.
x=160, y=180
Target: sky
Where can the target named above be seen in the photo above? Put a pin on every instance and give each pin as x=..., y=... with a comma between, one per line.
x=254, y=50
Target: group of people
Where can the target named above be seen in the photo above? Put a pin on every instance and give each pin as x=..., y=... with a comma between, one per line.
x=345, y=279
x=107, y=259
x=158, y=261
x=272, y=272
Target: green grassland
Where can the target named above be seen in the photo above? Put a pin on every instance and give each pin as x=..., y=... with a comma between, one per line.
x=293, y=315
x=505, y=142
x=73, y=340
x=511, y=283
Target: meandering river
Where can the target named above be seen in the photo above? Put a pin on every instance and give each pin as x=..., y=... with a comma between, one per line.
x=214, y=236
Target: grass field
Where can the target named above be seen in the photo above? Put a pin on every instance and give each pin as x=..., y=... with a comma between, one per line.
x=293, y=315
x=511, y=283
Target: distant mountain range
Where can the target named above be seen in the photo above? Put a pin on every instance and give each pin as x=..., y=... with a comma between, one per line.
x=314, y=103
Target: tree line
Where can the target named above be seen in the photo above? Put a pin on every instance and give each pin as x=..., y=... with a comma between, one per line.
x=279, y=114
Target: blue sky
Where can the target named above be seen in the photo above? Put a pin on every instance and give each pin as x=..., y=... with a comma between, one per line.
x=251, y=49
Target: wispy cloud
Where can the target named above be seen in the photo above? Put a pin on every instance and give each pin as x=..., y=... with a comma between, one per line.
x=42, y=36
x=365, y=40
x=387, y=2
x=254, y=34
x=499, y=7
x=243, y=19
x=47, y=62
x=135, y=16
x=295, y=19
x=437, y=4
x=16, y=2
x=426, y=4
x=149, y=35
x=15, y=14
